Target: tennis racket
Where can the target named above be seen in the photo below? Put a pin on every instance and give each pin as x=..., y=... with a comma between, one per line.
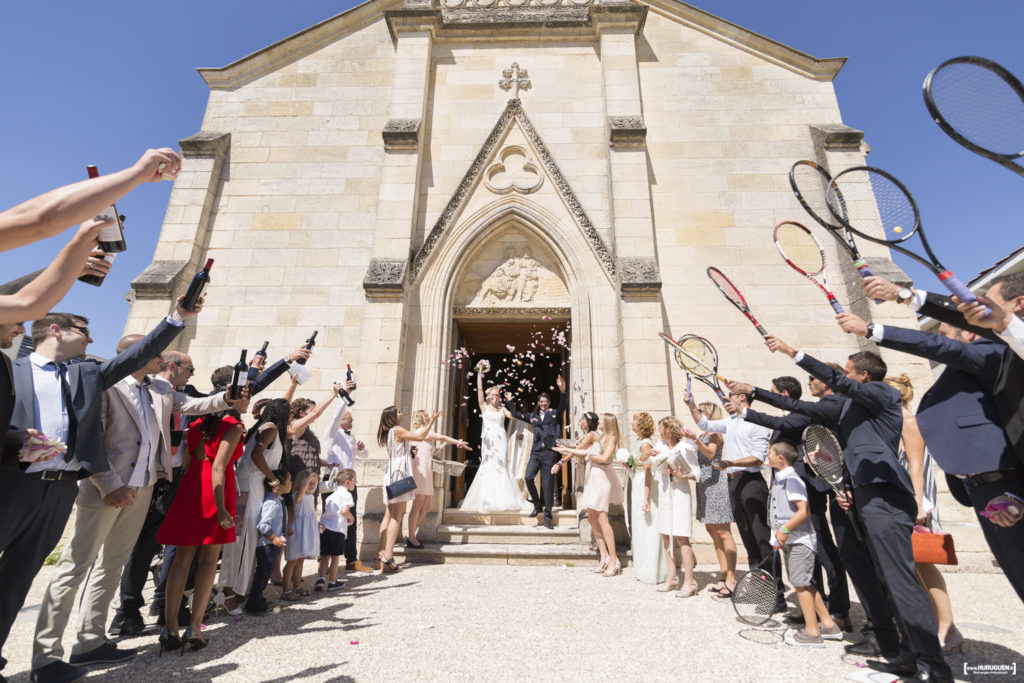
x=864, y=196
x=804, y=254
x=824, y=456
x=729, y=290
x=755, y=594
x=981, y=106
x=698, y=358
x=810, y=184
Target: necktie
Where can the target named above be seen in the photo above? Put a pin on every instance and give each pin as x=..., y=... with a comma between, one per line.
x=348, y=431
x=65, y=390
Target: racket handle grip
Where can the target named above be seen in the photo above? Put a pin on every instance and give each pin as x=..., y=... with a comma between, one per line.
x=836, y=306
x=721, y=396
x=958, y=288
x=760, y=330
x=865, y=272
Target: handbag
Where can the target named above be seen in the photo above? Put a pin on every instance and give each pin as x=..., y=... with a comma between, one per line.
x=401, y=483
x=933, y=548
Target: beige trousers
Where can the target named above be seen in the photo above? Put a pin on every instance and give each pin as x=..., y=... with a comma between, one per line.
x=99, y=548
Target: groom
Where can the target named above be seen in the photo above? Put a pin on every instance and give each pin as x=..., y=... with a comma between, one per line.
x=547, y=427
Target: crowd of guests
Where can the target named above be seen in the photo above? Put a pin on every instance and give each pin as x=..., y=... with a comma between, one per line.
x=149, y=462
x=968, y=423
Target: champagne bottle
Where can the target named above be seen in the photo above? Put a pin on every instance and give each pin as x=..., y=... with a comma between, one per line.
x=239, y=378
x=97, y=280
x=310, y=343
x=350, y=375
x=196, y=287
x=111, y=238
x=254, y=371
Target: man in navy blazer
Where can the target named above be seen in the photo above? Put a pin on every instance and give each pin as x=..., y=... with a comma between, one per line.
x=547, y=428
x=961, y=426
x=37, y=501
x=869, y=428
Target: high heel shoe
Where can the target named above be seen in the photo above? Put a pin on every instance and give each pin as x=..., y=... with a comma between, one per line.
x=167, y=642
x=689, y=590
x=194, y=642
x=377, y=561
x=600, y=569
x=390, y=567
x=613, y=569
x=672, y=585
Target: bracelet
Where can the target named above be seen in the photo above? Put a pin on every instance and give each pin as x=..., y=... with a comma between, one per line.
x=784, y=530
x=276, y=482
x=1014, y=497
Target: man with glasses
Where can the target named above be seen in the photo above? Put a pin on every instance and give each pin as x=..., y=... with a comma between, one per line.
x=62, y=401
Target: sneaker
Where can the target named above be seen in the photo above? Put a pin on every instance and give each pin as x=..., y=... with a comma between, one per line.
x=107, y=653
x=321, y=583
x=56, y=672
x=834, y=633
x=335, y=586
x=802, y=638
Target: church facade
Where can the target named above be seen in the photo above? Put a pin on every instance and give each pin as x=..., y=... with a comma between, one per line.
x=412, y=177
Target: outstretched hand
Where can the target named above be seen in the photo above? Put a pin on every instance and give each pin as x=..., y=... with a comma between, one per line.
x=157, y=164
x=877, y=287
x=736, y=387
x=185, y=314
x=994, y=318
x=852, y=324
x=775, y=344
x=560, y=381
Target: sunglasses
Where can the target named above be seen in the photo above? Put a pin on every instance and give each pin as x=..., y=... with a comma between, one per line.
x=84, y=331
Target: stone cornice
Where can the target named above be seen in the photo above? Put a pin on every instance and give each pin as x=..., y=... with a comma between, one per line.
x=749, y=41
x=205, y=144
x=513, y=113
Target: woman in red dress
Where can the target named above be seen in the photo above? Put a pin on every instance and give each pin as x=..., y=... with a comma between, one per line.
x=201, y=518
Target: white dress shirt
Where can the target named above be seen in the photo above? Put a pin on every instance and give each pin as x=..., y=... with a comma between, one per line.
x=144, y=472
x=51, y=413
x=742, y=440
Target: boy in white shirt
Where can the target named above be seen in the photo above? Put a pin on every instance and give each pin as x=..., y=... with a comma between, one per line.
x=334, y=523
x=789, y=512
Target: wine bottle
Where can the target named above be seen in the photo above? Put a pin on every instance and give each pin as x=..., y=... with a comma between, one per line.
x=239, y=378
x=350, y=375
x=345, y=395
x=97, y=280
x=111, y=238
x=254, y=371
x=310, y=343
x=196, y=287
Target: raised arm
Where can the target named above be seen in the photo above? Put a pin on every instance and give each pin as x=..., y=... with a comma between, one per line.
x=824, y=412
x=403, y=434
x=513, y=411
x=299, y=425
x=137, y=355
x=792, y=421
x=481, y=399
x=276, y=370
x=451, y=441
x=57, y=210
x=36, y=298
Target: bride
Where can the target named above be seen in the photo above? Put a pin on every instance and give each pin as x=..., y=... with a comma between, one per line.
x=494, y=489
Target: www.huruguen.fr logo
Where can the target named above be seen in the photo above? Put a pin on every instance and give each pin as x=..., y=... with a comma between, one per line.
x=990, y=669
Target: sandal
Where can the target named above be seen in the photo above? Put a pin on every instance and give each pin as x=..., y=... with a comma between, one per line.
x=600, y=568
x=377, y=561
x=669, y=586
x=714, y=588
x=390, y=567
x=725, y=593
x=302, y=591
x=290, y=596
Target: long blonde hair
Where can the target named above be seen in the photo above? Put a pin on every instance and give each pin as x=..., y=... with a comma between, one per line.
x=420, y=418
x=610, y=425
x=902, y=384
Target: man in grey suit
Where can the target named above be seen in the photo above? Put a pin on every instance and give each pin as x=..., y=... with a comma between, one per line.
x=112, y=507
x=36, y=503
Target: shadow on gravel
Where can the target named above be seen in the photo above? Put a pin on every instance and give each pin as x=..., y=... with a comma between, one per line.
x=314, y=672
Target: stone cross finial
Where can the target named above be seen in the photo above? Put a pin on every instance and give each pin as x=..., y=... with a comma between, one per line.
x=513, y=79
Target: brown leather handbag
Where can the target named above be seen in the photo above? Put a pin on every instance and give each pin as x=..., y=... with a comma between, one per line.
x=933, y=548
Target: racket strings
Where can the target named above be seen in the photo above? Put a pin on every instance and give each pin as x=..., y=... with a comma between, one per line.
x=873, y=203
x=812, y=185
x=754, y=597
x=727, y=287
x=697, y=358
x=823, y=453
x=981, y=106
x=798, y=245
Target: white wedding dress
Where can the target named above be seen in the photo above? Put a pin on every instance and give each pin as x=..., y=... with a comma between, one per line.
x=494, y=488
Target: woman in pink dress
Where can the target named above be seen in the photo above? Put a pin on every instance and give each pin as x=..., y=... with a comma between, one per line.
x=423, y=473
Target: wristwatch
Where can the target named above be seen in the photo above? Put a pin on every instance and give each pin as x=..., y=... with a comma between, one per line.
x=904, y=294
x=871, y=331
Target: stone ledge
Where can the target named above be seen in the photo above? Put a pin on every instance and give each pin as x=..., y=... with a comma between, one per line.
x=639, y=275
x=627, y=131
x=158, y=280
x=385, y=278
x=403, y=134
x=531, y=17
x=205, y=144
x=837, y=138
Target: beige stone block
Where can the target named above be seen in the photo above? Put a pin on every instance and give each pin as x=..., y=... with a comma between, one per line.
x=277, y=221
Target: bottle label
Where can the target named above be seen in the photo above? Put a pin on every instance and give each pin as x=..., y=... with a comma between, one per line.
x=242, y=379
x=112, y=232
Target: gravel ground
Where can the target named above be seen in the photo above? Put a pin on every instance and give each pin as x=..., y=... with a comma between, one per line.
x=524, y=623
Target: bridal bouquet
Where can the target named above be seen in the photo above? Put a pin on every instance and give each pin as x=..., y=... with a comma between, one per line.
x=483, y=366
x=670, y=458
x=623, y=457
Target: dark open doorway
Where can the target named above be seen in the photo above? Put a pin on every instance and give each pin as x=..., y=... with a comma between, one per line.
x=525, y=357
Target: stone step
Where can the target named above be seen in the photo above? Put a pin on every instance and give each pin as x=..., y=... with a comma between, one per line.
x=506, y=534
x=455, y=516
x=501, y=553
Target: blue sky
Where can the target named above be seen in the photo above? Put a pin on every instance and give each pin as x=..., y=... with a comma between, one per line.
x=100, y=82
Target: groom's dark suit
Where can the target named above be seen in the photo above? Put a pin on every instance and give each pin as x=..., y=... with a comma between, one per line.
x=547, y=427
